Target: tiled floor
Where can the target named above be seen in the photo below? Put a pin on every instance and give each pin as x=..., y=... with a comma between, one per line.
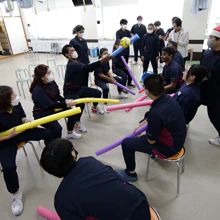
x=200, y=192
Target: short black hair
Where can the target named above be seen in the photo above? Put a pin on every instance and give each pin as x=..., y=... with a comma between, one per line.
x=173, y=43
x=78, y=28
x=65, y=49
x=217, y=38
x=151, y=24
x=169, y=50
x=101, y=51
x=178, y=22
x=157, y=23
x=174, y=18
x=57, y=158
x=154, y=84
x=139, y=17
x=123, y=21
x=198, y=71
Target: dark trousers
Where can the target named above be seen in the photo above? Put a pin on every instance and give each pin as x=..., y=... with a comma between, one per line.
x=137, y=47
x=184, y=59
x=214, y=116
x=85, y=78
x=103, y=85
x=153, y=62
x=129, y=77
x=122, y=74
x=8, y=155
x=160, y=52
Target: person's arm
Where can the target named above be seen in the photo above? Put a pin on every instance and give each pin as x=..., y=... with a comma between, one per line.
x=166, y=36
x=72, y=43
x=174, y=77
x=157, y=46
x=184, y=41
x=132, y=30
x=171, y=86
x=109, y=79
x=10, y=135
x=118, y=36
x=142, y=48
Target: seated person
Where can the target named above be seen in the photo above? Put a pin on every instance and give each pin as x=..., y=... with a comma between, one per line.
x=165, y=133
x=74, y=79
x=188, y=96
x=90, y=189
x=177, y=55
x=172, y=72
x=103, y=76
x=12, y=115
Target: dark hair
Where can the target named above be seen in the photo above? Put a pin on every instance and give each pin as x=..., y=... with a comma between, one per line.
x=157, y=23
x=123, y=21
x=102, y=50
x=174, y=18
x=5, y=98
x=173, y=43
x=65, y=50
x=178, y=22
x=139, y=17
x=78, y=28
x=169, y=50
x=57, y=158
x=154, y=84
x=198, y=71
x=151, y=24
x=217, y=38
x=117, y=42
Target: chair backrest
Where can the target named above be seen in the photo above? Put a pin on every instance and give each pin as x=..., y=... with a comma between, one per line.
x=154, y=214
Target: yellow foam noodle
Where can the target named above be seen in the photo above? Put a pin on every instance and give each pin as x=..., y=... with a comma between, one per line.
x=84, y=100
x=43, y=120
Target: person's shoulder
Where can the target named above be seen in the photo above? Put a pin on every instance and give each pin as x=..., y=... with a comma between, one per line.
x=208, y=52
x=38, y=88
x=175, y=65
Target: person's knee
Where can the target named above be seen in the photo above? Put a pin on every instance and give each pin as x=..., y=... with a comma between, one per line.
x=106, y=89
x=57, y=131
x=125, y=143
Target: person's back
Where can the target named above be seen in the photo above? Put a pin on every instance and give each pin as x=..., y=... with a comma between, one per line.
x=179, y=59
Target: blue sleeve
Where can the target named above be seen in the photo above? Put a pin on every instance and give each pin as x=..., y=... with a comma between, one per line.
x=75, y=67
x=118, y=37
x=23, y=115
x=175, y=72
x=154, y=126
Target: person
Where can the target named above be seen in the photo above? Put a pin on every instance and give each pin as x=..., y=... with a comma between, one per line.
x=169, y=30
x=161, y=34
x=177, y=55
x=188, y=96
x=149, y=49
x=141, y=30
x=181, y=37
x=172, y=72
x=210, y=90
x=73, y=87
x=90, y=189
x=165, y=133
x=12, y=115
x=81, y=47
x=46, y=97
x=123, y=32
x=103, y=76
x=118, y=66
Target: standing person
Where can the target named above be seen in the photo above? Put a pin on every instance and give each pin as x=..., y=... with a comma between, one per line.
x=81, y=47
x=123, y=32
x=165, y=133
x=177, y=55
x=141, y=30
x=46, y=97
x=180, y=37
x=12, y=115
x=89, y=189
x=210, y=90
x=149, y=49
x=170, y=29
x=160, y=33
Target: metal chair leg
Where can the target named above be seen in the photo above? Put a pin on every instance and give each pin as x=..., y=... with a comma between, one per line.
x=18, y=89
x=23, y=90
x=178, y=179
x=35, y=152
x=148, y=167
x=25, y=152
x=183, y=165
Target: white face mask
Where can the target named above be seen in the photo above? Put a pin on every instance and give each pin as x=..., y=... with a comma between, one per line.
x=124, y=26
x=50, y=78
x=150, y=31
x=74, y=55
x=139, y=22
x=80, y=35
x=158, y=27
x=15, y=101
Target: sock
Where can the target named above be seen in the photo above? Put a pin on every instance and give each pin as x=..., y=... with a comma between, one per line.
x=130, y=174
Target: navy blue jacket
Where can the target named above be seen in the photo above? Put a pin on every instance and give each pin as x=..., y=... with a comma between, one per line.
x=150, y=46
x=188, y=96
x=179, y=59
x=119, y=35
x=141, y=31
x=162, y=33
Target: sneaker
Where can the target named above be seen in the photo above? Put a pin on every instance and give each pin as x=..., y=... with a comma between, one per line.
x=122, y=96
x=80, y=128
x=162, y=65
x=134, y=62
x=74, y=135
x=97, y=110
x=215, y=141
x=125, y=177
x=17, y=204
x=131, y=85
x=105, y=110
x=125, y=92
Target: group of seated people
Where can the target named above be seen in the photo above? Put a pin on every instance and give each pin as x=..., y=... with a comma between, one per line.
x=91, y=190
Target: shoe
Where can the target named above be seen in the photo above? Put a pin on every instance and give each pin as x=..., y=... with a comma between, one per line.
x=215, y=141
x=74, y=135
x=131, y=85
x=80, y=128
x=134, y=62
x=162, y=65
x=105, y=110
x=122, y=96
x=17, y=204
x=125, y=92
x=97, y=110
x=125, y=177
